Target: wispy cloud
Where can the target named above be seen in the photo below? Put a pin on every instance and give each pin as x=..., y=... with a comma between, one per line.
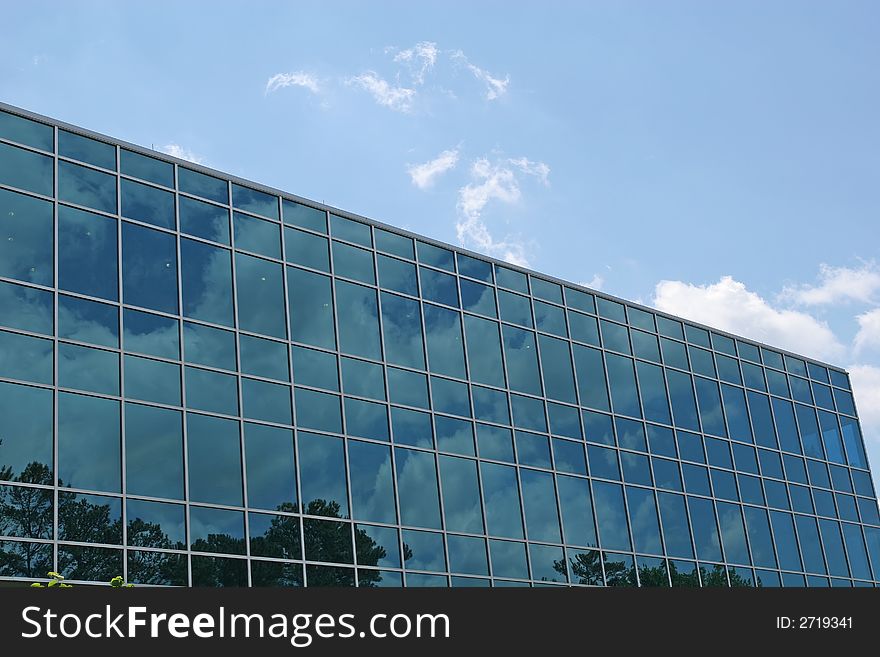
x=865, y=381
x=419, y=59
x=176, y=150
x=838, y=284
x=495, y=87
x=537, y=169
x=423, y=175
x=868, y=335
x=492, y=181
x=594, y=283
x=399, y=99
x=294, y=79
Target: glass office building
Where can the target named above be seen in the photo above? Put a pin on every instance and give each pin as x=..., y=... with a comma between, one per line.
x=207, y=382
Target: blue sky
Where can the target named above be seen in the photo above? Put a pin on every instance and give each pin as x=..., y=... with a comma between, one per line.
x=717, y=160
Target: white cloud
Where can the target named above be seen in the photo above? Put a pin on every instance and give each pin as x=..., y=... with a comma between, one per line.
x=538, y=169
x=399, y=99
x=495, y=87
x=730, y=306
x=594, y=283
x=423, y=175
x=176, y=150
x=493, y=181
x=420, y=59
x=838, y=284
x=869, y=330
x=865, y=380
x=295, y=79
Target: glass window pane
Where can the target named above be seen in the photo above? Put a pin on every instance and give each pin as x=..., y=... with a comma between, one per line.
x=736, y=413
x=204, y=220
x=451, y=397
x=490, y=405
x=85, y=149
x=86, y=321
x=149, y=268
x=852, y=439
x=591, y=377
x=568, y=456
x=318, y=410
x=146, y=168
x=411, y=428
x=150, y=334
x=577, y=511
x=683, y=408
x=306, y=249
x=402, y=326
x=461, y=495
x=352, y=262
x=786, y=541
x=314, y=368
x=86, y=237
x=394, y=243
x=501, y=500
x=611, y=310
x=533, y=449
x=350, y=231
x=358, y=320
x=417, y=488
x=653, y=389
x=89, y=518
x=209, y=346
x=645, y=345
x=584, y=328
x=435, y=256
x=508, y=558
x=710, y=407
x=265, y=358
x=26, y=170
x=27, y=238
x=26, y=358
x=445, y=351
x=153, y=453
x=611, y=516
x=788, y=437
x=624, y=395
x=25, y=131
x=467, y=554
x=156, y=525
x=260, y=296
x=397, y=275
x=372, y=491
x=377, y=546
x=705, y=528
x=409, y=388
x=88, y=426
x=564, y=420
x=479, y=269
x=311, y=308
x=322, y=475
x=438, y=287
x=152, y=380
x=760, y=539
x=211, y=391
x=214, y=451
x=26, y=420
x=484, y=351
x=675, y=525
x=216, y=530
x=89, y=369
x=207, y=282
x=733, y=533
x=275, y=536
x=257, y=235
x=200, y=184
x=254, y=201
x=515, y=308
x=271, y=472
x=811, y=548
x=261, y=400
x=615, y=337
x=362, y=378
x=522, y=361
x=495, y=443
x=511, y=279
x=603, y=462
x=304, y=216
x=148, y=204
x=83, y=186
x=556, y=366
x=645, y=526
x=456, y=436
x=762, y=421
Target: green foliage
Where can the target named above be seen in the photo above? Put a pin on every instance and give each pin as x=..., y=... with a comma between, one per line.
x=57, y=580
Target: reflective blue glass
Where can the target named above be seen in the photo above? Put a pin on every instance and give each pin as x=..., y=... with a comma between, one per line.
x=438, y=287
x=705, y=529
x=262, y=400
x=611, y=516
x=254, y=201
x=653, y=389
x=304, y=216
x=318, y=410
x=366, y=419
x=150, y=334
x=214, y=458
x=148, y=204
x=211, y=391
x=311, y=308
x=88, y=369
x=25, y=358
x=673, y=514
x=86, y=321
x=260, y=296
x=209, y=346
x=26, y=420
x=495, y=442
x=152, y=380
x=417, y=488
x=351, y=231
x=352, y=262
x=557, y=369
x=550, y=319
x=25, y=131
x=271, y=471
x=357, y=320
x=591, y=377
x=27, y=234
x=444, y=343
x=522, y=361
x=402, y=326
x=84, y=186
x=583, y=328
x=265, y=358
x=149, y=268
x=89, y=426
x=411, y=428
x=532, y=449
x=87, y=237
x=322, y=475
x=501, y=500
x=153, y=436
x=372, y=488
x=200, y=184
x=257, y=235
x=206, y=279
x=461, y=495
x=645, y=526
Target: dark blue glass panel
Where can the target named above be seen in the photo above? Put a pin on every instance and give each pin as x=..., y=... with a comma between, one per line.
x=25, y=131
x=313, y=368
x=674, y=354
x=771, y=464
x=363, y=379
x=490, y=405
x=697, y=335
x=377, y=546
x=318, y=410
x=576, y=509
x=539, y=500
x=89, y=369
x=597, y=427
x=683, y=408
x=591, y=377
x=86, y=237
x=417, y=488
x=564, y=420
x=794, y=469
x=456, y=436
x=556, y=366
x=26, y=421
x=83, y=186
x=402, y=325
x=710, y=407
x=515, y=308
x=409, y=388
x=568, y=456
x=397, y=275
x=690, y=447
x=351, y=231
x=200, y=184
x=372, y=488
x=705, y=529
x=274, y=536
x=615, y=337
x=511, y=279
x=435, y=256
x=501, y=500
x=701, y=361
x=147, y=204
x=26, y=358
x=306, y=249
x=584, y=328
x=762, y=421
x=733, y=533
x=271, y=471
x=257, y=235
x=411, y=428
x=855, y=549
x=260, y=296
x=479, y=269
x=754, y=377
x=304, y=216
x=645, y=345
x=611, y=310
x=145, y=521
x=661, y=441
x=206, y=279
x=550, y=319
x=461, y=495
x=603, y=462
x=495, y=442
x=522, y=361
x=777, y=497
x=423, y=551
x=653, y=389
x=852, y=438
x=358, y=320
x=311, y=308
x=636, y=469
x=322, y=475
x=831, y=437
x=85, y=149
x=736, y=413
x=146, y=168
x=152, y=380
x=745, y=459
x=630, y=434
x=214, y=451
x=840, y=479
x=443, y=336
x=800, y=390
x=211, y=391
x=209, y=346
x=666, y=474
x=452, y=397
x=508, y=558
x=611, y=516
x=149, y=268
x=484, y=351
x=216, y=530
x=833, y=544
x=788, y=438
x=532, y=449
x=85, y=321
x=696, y=479
x=438, y=287
x=89, y=518
x=785, y=540
x=88, y=426
x=150, y=334
x=624, y=394
x=811, y=548
x=266, y=358
x=546, y=290
x=352, y=262
x=261, y=400
x=673, y=514
x=27, y=238
x=645, y=526
x=809, y=430
x=366, y=419
x=254, y=201
x=153, y=452
x=669, y=327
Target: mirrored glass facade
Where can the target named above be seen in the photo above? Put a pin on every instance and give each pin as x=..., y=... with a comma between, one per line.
x=207, y=382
